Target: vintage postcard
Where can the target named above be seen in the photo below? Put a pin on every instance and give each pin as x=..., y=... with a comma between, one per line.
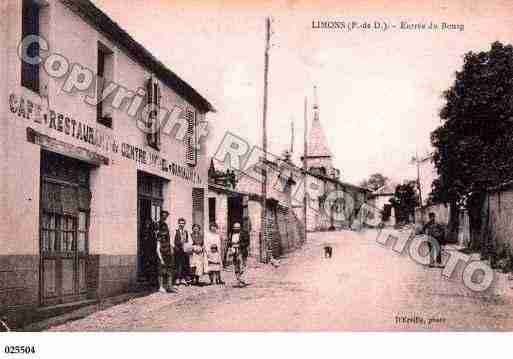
x=293, y=165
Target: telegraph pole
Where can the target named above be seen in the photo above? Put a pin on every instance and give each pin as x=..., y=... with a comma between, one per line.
x=417, y=163
x=291, y=136
x=264, y=142
x=305, y=148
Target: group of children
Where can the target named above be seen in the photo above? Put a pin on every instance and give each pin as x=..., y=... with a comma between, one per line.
x=236, y=249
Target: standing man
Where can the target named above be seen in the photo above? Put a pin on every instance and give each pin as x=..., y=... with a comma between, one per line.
x=436, y=233
x=182, y=241
x=164, y=253
x=238, y=247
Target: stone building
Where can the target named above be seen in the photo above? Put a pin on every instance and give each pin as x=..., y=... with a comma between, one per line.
x=82, y=177
x=380, y=199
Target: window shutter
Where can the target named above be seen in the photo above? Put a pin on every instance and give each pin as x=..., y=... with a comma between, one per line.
x=191, y=148
x=149, y=101
x=158, y=97
x=149, y=91
x=30, y=26
x=198, y=207
x=153, y=98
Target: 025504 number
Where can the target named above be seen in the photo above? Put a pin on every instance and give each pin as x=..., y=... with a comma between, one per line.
x=20, y=349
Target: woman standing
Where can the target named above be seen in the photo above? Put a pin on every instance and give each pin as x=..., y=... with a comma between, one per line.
x=197, y=256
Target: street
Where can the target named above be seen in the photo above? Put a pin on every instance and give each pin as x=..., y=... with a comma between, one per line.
x=364, y=286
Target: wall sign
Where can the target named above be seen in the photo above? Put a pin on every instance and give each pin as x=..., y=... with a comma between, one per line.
x=104, y=141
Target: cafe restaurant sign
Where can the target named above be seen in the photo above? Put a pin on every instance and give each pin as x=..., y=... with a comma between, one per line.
x=104, y=141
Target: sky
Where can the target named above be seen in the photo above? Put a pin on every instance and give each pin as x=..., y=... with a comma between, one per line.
x=379, y=92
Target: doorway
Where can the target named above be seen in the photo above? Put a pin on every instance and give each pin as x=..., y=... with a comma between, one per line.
x=63, y=229
x=149, y=205
x=234, y=211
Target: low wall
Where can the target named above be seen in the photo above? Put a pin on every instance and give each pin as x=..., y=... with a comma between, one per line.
x=497, y=215
x=442, y=213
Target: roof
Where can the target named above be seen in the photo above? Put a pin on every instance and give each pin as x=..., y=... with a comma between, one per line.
x=341, y=183
x=317, y=144
x=385, y=190
x=97, y=18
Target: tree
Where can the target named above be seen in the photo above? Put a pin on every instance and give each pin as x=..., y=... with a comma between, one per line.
x=405, y=200
x=473, y=146
x=375, y=181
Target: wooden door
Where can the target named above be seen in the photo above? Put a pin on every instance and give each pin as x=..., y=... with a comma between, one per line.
x=64, y=229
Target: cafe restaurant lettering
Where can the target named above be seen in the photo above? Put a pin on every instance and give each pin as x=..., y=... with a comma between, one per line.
x=66, y=124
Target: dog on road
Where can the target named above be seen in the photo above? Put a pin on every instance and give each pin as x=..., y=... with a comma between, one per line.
x=328, y=251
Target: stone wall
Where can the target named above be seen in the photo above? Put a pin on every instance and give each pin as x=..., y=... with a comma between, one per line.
x=117, y=274
x=442, y=213
x=19, y=286
x=497, y=215
x=291, y=230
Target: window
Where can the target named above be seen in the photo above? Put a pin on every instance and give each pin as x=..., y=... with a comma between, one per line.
x=65, y=202
x=153, y=96
x=82, y=230
x=30, y=26
x=191, y=140
x=59, y=233
x=105, y=71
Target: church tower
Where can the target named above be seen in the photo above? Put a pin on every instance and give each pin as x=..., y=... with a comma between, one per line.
x=319, y=157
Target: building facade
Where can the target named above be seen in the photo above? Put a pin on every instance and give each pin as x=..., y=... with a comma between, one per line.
x=380, y=199
x=82, y=178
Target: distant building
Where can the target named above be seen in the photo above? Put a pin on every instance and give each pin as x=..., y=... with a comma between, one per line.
x=380, y=199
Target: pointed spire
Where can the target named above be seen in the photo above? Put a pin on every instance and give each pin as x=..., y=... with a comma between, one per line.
x=317, y=144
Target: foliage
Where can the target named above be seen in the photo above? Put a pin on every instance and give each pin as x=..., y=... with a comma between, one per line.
x=375, y=181
x=405, y=200
x=473, y=146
